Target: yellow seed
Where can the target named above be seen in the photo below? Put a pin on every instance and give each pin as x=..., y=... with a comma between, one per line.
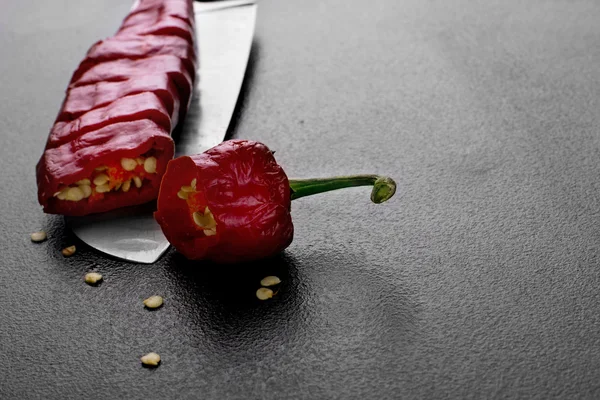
x=84, y=182
x=126, y=185
x=187, y=189
x=212, y=223
x=139, y=160
x=68, y=251
x=100, y=179
x=182, y=195
x=62, y=195
x=118, y=186
x=92, y=278
x=151, y=359
x=193, y=184
x=75, y=194
x=103, y=188
x=210, y=232
x=270, y=281
x=205, y=220
x=150, y=165
x=264, y=293
x=128, y=164
x=153, y=302
x=87, y=190
x=101, y=168
x=38, y=236
x=137, y=181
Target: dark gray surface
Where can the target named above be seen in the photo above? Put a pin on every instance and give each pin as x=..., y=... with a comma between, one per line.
x=479, y=280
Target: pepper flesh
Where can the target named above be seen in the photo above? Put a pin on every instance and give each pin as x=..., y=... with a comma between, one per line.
x=246, y=193
x=110, y=142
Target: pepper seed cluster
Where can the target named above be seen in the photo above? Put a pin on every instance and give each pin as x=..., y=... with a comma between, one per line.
x=100, y=182
x=204, y=219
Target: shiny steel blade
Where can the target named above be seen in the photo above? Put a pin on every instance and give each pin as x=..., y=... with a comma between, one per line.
x=224, y=32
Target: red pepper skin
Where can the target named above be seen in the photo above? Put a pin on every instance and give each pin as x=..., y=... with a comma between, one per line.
x=76, y=160
x=82, y=99
x=136, y=47
x=152, y=11
x=122, y=70
x=165, y=26
x=130, y=108
x=248, y=194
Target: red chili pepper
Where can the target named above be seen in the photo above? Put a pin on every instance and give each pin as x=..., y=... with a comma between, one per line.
x=110, y=143
x=232, y=203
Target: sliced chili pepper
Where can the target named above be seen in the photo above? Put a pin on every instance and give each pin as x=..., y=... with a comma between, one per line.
x=166, y=26
x=136, y=47
x=82, y=99
x=150, y=12
x=232, y=203
x=130, y=108
x=123, y=70
x=93, y=164
x=110, y=143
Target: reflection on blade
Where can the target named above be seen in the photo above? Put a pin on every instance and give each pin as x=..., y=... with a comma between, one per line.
x=222, y=66
x=224, y=32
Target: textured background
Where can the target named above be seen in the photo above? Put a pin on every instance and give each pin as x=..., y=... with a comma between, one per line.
x=478, y=280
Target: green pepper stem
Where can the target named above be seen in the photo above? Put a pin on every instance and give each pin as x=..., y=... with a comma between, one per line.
x=383, y=187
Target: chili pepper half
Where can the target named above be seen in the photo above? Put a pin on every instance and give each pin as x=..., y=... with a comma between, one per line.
x=232, y=203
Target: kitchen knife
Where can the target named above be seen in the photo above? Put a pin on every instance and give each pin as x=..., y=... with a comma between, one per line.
x=224, y=32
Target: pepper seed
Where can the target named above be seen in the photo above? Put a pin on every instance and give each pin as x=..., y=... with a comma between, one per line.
x=126, y=185
x=62, y=195
x=84, y=182
x=137, y=181
x=151, y=359
x=153, y=302
x=187, y=189
x=128, y=164
x=264, y=293
x=150, y=165
x=92, y=278
x=75, y=194
x=205, y=220
x=87, y=190
x=103, y=188
x=100, y=179
x=68, y=251
x=270, y=281
x=38, y=236
x=182, y=195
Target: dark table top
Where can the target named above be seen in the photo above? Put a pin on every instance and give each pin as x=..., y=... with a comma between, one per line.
x=480, y=279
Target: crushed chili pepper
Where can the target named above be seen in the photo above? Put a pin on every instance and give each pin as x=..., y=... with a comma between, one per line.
x=232, y=203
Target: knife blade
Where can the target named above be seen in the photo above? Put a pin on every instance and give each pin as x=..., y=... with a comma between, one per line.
x=224, y=32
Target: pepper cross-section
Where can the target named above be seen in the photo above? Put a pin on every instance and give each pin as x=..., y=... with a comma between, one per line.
x=111, y=140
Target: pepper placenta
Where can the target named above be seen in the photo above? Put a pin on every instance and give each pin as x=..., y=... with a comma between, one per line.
x=232, y=203
x=111, y=140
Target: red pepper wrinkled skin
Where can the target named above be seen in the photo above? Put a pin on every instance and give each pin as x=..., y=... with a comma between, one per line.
x=124, y=100
x=248, y=194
